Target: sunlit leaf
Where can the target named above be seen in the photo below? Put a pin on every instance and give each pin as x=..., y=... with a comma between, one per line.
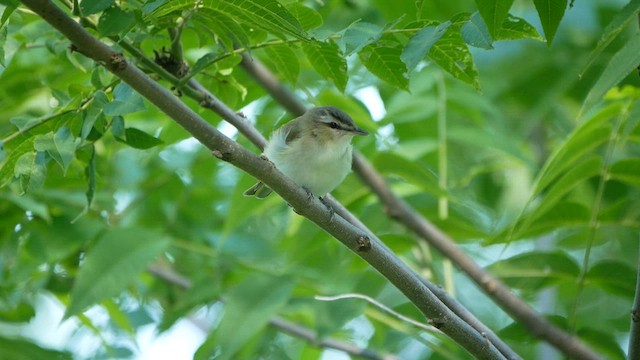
x=114, y=262
x=515, y=28
x=328, y=61
x=453, y=55
x=60, y=146
x=306, y=16
x=493, y=12
x=385, y=63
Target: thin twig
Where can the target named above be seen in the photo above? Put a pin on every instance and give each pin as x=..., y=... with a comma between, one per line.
x=380, y=306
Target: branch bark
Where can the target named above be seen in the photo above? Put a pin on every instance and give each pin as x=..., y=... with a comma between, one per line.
x=402, y=212
x=370, y=248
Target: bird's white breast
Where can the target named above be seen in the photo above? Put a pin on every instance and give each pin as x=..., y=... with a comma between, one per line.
x=319, y=167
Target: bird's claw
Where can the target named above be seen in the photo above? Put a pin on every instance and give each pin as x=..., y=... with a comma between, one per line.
x=332, y=212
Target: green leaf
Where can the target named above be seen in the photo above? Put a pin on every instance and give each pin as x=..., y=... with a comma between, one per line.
x=139, y=139
x=126, y=101
x=420, y=44
x=475, y=32
x=385, y=63
x=285, y=61
x=618, y=23
x=31, y=170
x=8, y=10
x=536, y=269
x=515, y=28
x=112, y=264
x=3, y=40
x=117, y=128
x=61, y=146
x=92, y=113
x=562, y=215
x=413, y=172
x=306, y=16
x=90, y=175
x=494, y=12
x=28, y=203
x=358, y=35
x=88, y=7
x=550, y=13
x=19, y=349
x=614, y=276
x=588, y=136
x=453, y=55
x=17, y=314
x=7, y=167
x=248, y=309
x=328, y=61
x=627, y=171
x=269, y=15
x=622, y=63
x=114, y=21
x=228, y=30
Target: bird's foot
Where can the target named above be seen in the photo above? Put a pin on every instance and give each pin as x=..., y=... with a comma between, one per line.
x=332, y=212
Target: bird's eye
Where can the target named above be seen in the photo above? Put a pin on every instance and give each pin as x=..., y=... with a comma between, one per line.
x=333, y=125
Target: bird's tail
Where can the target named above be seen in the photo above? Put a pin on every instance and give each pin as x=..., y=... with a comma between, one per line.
x=259, y=190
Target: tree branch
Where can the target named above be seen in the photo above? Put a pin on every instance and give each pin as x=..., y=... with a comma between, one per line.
x=170, y=276
x=370, y=248
x=402, y=212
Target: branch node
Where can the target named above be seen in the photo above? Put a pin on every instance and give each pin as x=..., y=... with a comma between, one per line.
x=226, y=156
x=117, y=62
x=438, y=323
x=363, y=244
x=635, y=316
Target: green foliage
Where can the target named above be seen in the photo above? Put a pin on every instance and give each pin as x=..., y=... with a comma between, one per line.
x=536, y=178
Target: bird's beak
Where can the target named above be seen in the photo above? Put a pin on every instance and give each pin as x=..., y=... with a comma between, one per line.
x=358, y=131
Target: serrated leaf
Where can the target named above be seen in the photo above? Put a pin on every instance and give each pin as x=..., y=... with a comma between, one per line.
x=358, y=35
x=112, y=264
x=614, y=28
x=306, y=16
x=228, y=30
x=90, y=175
x=515, y=28
x=31, y=170
x=126, y=101
x=248, y=309
x=621, y=64
x=475, y=32
x=268, y=15
x=420, y=44
x=627, y=171
x=385, y=63
x=453, y=55
x=550, y=13
x=328, y=61
x=114, y=21
x=88, y=7
x=139, y=139
x=493, y=12
x=60, y=146
x=285, y=62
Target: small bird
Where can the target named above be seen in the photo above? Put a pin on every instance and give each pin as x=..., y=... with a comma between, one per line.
x=314, y=150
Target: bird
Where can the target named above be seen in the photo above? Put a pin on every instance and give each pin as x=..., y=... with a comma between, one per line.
x=314, y=150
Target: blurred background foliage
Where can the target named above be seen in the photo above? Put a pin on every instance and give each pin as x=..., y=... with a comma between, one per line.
x=539, y=187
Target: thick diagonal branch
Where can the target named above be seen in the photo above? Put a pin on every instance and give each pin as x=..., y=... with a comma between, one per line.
x=402, y=212
x=369, y=248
